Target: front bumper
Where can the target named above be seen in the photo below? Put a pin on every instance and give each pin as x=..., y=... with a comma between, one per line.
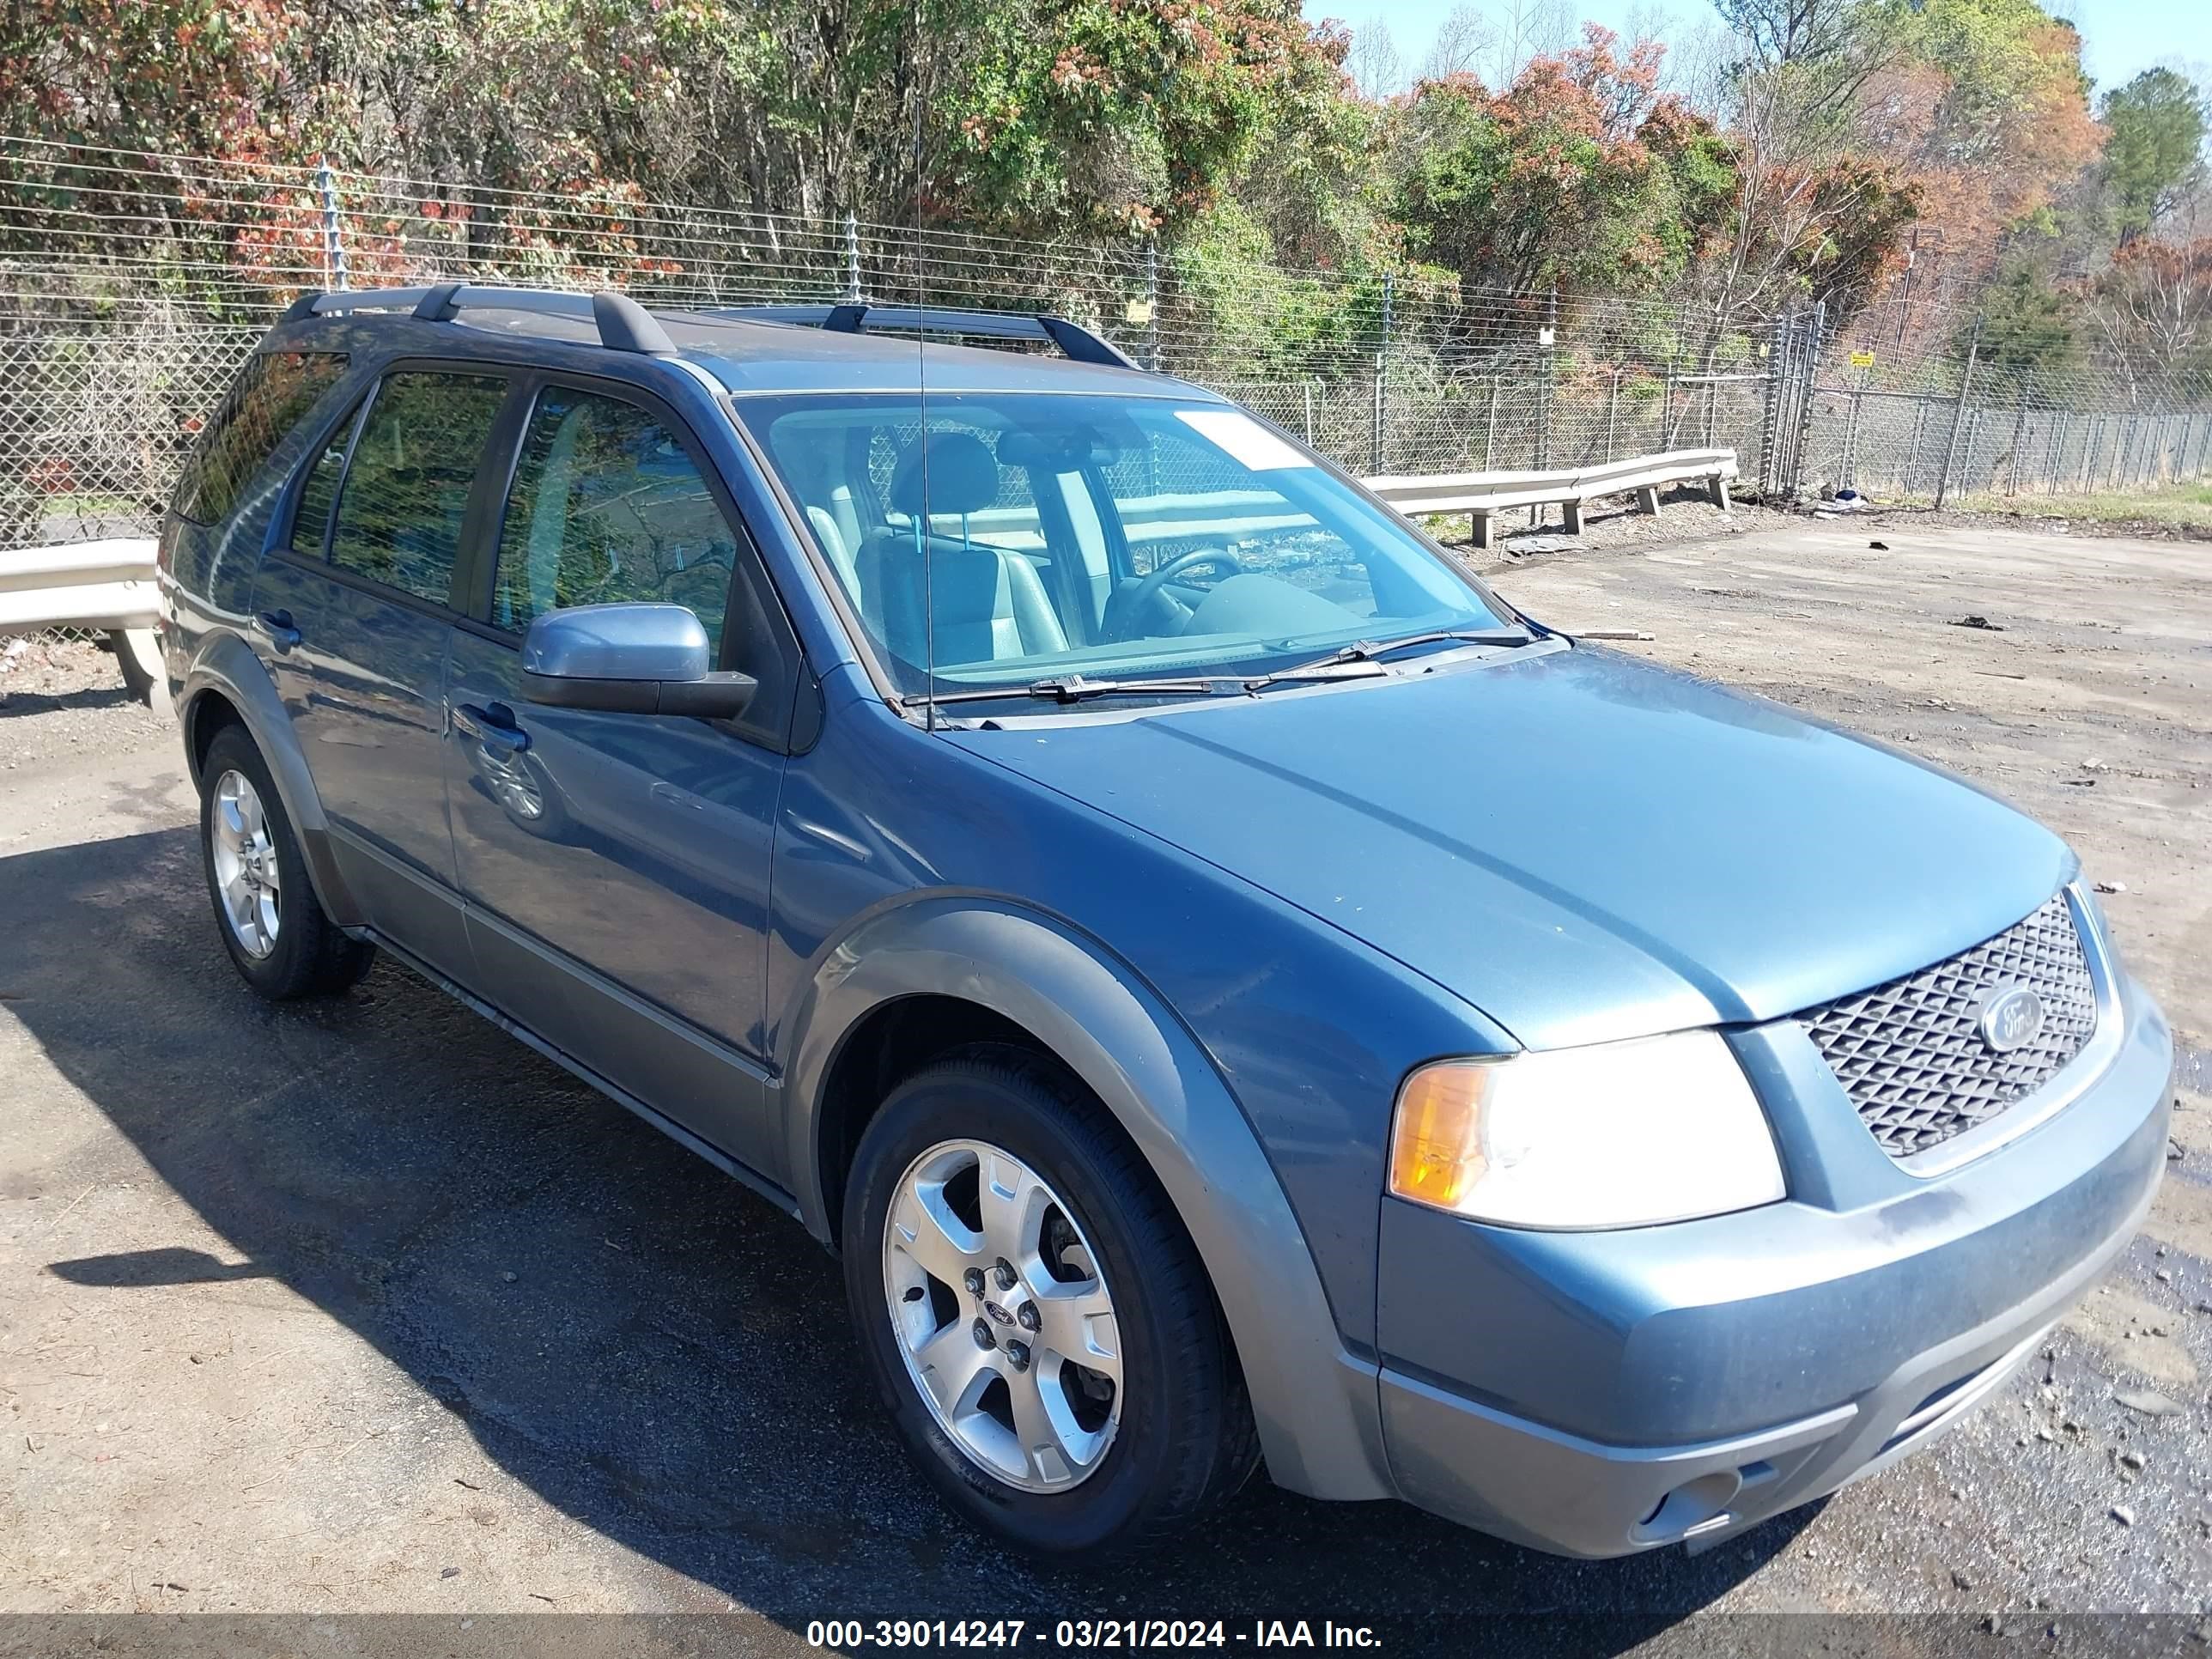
x=1624, y=1390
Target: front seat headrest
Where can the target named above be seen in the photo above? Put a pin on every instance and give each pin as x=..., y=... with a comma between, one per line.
x=963, y=475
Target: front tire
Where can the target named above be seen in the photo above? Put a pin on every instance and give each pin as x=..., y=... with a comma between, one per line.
x=1033, y=1315
x=274, y=927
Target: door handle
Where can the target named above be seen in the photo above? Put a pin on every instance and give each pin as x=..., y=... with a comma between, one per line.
x=277, y=625
x=493, y=726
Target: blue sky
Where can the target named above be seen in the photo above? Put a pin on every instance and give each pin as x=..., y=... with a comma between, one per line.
x=2120, y=37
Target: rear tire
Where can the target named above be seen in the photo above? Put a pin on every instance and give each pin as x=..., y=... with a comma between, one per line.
x=1111, y=1462
x=279, y=939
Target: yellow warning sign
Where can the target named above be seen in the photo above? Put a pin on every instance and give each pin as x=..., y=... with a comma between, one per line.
x=1862, y=360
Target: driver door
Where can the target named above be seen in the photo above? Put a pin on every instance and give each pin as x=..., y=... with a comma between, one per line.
x=615, y=865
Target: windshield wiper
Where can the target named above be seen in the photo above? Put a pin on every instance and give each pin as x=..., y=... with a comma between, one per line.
x=1353, y=661
x=1373, y=650
x=1074, y=688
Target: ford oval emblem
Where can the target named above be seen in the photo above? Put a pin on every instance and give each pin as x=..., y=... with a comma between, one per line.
x=2010, y=1018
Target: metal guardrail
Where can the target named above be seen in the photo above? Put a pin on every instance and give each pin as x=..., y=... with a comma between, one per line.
x=100, y=586
x=1485, y=495
x=1146, y=519
x=1182, y=515
x=90, y=585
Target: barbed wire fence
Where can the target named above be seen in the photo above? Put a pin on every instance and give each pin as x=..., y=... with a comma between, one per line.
x=132, y=285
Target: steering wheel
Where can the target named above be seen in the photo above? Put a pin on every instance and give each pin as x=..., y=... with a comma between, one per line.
x=1133, y=605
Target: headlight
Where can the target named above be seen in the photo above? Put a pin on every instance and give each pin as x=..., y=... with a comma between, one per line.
x=1616, y=1134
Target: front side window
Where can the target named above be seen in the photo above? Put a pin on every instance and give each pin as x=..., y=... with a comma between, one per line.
x=1017, y=537
x=608, y=506
x=269, y=398
x=406, y=490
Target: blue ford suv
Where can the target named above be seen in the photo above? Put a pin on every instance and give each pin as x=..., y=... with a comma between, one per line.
x=1231, y=988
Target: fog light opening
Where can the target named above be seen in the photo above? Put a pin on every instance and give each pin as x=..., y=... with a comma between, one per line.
x=1692, y=1507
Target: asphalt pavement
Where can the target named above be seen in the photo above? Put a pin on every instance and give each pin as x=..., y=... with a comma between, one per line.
x=363, y=1309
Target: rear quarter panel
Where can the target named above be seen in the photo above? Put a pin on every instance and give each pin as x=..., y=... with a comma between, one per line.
x=207, y=576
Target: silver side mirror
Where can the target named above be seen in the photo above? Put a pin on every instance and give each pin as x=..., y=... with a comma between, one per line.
x=629, y=659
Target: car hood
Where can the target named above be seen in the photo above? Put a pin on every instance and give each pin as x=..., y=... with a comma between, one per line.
x=1583, y=845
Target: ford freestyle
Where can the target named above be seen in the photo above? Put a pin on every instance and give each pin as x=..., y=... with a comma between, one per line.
x=1231, y=988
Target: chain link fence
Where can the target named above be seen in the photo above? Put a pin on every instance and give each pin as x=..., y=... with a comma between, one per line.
x=133, y=285
x=1920, y=407
x=95, y=416
x=2016, y=434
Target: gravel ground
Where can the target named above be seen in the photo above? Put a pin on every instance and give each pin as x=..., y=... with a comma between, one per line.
x=2053, y=519
x=61, y=696
x=363, y=1308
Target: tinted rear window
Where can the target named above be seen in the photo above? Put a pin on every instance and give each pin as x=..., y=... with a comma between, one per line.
x=265, y=403
x=406, y=489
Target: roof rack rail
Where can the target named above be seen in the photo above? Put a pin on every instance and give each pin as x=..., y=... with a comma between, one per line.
x=1073, y=340
x=623, y=324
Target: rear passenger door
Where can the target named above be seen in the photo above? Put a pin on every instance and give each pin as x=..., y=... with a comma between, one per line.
x=616, y=865
x=353, y=613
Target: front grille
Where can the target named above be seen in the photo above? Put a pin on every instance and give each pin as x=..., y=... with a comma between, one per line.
x=1911, y=1055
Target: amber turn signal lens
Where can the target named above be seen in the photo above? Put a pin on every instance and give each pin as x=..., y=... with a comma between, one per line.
x=1436, y=1140
x=1631, y=1133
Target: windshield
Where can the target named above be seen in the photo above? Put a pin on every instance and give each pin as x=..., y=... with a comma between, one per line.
x=1031, y=537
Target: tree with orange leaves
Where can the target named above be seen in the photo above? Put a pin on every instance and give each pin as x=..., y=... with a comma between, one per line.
x=1983, y=105
x=1581, y=172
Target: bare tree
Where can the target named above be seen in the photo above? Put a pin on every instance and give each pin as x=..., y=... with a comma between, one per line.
x=1788, y=81
x=1462, y=46
x=2154, y=307
x=1373, y=62
x=1702, y=61
x=2190, y=217
x=1776, y=32
x=1652, y=19
x=1688, y=65
x=1793, y=91
x=1523, y=29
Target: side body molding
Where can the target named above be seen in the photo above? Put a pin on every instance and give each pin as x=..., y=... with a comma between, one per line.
x=224, y=663
x=1314, y=1404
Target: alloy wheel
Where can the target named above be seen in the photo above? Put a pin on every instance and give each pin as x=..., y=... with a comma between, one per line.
x=245, y=869
x=1003, y=1315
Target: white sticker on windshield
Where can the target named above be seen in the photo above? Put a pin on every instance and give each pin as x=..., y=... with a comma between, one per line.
x=1247, y=441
